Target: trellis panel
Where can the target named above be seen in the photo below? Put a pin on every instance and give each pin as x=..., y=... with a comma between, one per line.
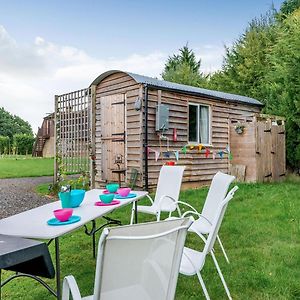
x=73, y=131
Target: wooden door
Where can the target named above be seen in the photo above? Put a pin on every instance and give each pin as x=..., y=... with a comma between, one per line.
x=278, y=152
x=264, y=151
x=112, y=134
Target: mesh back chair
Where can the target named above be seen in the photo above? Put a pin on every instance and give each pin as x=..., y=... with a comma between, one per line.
x=167, y=192
x=193, y=261
x=136, y=262
x=216, y=194
x=133, y=178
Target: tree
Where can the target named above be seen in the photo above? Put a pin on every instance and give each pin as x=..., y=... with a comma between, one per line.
x=283, y=83
x=245, y=64
x=287, y=8
x=184, y=68
x=12, y=124
x=23, y=143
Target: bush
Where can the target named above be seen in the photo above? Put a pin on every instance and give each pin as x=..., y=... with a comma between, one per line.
x=23, y=143
x=4, y=144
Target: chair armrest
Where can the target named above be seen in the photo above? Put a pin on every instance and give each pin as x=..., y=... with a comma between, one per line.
x=194, y=210
x=150, y=199
x=70, y=285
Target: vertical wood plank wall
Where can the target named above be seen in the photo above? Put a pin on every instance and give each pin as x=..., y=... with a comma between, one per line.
x=243, y=148
x=261, y=148
x=116, y=84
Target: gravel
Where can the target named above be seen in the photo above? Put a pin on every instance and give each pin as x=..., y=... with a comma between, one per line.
x=17, y=195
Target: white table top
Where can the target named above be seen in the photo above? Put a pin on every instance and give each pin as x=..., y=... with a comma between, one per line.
x=33, y=223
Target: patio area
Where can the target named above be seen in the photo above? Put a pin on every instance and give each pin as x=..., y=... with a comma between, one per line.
x=260, y=232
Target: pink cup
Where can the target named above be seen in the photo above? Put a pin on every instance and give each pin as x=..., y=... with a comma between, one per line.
x=63, y=214
x=124, y=192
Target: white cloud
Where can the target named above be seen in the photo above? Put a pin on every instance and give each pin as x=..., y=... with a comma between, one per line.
x=30, y=75
x=211, y=57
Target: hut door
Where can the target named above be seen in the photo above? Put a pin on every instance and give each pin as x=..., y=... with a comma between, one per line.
x=112, y=135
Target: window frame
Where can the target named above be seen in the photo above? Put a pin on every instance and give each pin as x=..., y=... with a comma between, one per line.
x=198, y=123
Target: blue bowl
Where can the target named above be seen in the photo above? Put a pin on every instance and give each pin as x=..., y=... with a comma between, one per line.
x=77, y=197
x=107, y=198
x=112, y=187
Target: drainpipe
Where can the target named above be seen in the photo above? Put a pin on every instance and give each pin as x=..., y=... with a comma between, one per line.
x=146, y=135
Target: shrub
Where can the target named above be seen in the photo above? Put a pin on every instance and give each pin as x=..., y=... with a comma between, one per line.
x=23, y=143
x=4, y=144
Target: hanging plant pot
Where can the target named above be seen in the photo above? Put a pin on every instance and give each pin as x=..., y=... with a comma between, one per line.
x=239, y=129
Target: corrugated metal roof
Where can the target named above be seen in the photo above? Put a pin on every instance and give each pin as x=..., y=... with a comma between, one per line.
x=187, y=89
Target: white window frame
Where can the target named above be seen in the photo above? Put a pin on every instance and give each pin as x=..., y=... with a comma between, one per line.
x=198, y=124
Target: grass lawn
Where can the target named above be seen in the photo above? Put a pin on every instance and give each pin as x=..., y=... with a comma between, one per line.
x=261, y=233
x=25, y=166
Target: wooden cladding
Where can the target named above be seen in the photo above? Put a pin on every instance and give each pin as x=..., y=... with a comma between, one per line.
x=199, y=169
x=260, y=149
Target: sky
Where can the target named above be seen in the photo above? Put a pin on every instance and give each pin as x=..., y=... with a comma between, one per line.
x=52, y=47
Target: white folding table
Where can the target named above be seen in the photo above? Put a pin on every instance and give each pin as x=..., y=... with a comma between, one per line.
x=33, y=223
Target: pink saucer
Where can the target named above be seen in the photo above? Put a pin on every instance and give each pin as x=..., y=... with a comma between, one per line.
x=107, y=192
x=114, y=202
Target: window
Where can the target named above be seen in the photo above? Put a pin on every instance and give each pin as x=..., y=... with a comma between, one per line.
x=199, y=124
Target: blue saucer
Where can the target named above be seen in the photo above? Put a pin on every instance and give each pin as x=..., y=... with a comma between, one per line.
x=55, y=222
x=131, y=195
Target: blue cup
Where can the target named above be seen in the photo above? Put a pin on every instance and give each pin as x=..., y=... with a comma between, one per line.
x=65, y=198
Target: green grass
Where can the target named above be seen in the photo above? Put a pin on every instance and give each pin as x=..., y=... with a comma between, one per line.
x=25, y=166
x=261, y=233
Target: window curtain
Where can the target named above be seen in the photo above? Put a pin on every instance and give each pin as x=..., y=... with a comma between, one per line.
x=204, y=124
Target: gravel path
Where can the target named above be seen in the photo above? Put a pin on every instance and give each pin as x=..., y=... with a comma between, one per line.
x=17, y=195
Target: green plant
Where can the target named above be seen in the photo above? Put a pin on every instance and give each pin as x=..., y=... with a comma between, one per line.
x=4, y=144
x=23, y=143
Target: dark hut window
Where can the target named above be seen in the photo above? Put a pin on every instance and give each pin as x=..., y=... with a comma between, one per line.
x=199, y=124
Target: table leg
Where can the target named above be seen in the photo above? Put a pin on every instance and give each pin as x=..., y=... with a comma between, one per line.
x=94, y=238
x=135, y=213
x=57, y=268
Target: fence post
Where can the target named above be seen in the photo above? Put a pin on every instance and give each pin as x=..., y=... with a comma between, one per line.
x=93, y=134
x=55, y=138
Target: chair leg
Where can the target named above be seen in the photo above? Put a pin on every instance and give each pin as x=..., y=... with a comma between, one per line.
x=203, y=286
x=132, y=214
x=223, y=249
x=221, y=275
x=158, y=216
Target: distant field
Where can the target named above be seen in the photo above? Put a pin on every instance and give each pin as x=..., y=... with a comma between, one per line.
x=25, y=166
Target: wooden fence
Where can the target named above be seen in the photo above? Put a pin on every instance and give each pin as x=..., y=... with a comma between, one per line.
x=259, y=151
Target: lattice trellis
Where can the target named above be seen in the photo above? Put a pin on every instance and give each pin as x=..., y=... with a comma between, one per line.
x=73, y=131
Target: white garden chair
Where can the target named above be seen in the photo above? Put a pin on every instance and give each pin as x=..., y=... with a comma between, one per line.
x=167, y=193
x=216, y=194
x=136, y=262
x=193, y=261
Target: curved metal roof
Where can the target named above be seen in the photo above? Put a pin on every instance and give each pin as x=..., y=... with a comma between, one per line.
x=176, y=87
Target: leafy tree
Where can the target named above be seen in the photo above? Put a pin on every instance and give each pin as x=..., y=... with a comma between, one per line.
x=287, y=8
x=23, y=143
x=12, y=124
x=4, y=144
x=283, y=83
x=264, y=63
x=245, y=64
x=184, y=68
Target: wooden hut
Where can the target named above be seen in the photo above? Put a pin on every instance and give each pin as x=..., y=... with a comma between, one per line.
x=126, y=109
x=139, y=123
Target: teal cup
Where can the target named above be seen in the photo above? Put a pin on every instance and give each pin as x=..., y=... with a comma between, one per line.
x=65, y=199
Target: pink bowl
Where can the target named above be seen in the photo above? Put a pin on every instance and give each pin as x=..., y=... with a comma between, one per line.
x=63, y=214
x=123, y=192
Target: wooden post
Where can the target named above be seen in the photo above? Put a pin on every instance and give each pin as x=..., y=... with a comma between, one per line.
x=93, y=134
x=55, y=138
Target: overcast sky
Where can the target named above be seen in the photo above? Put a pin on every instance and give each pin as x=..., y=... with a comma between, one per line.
x=53, y=47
